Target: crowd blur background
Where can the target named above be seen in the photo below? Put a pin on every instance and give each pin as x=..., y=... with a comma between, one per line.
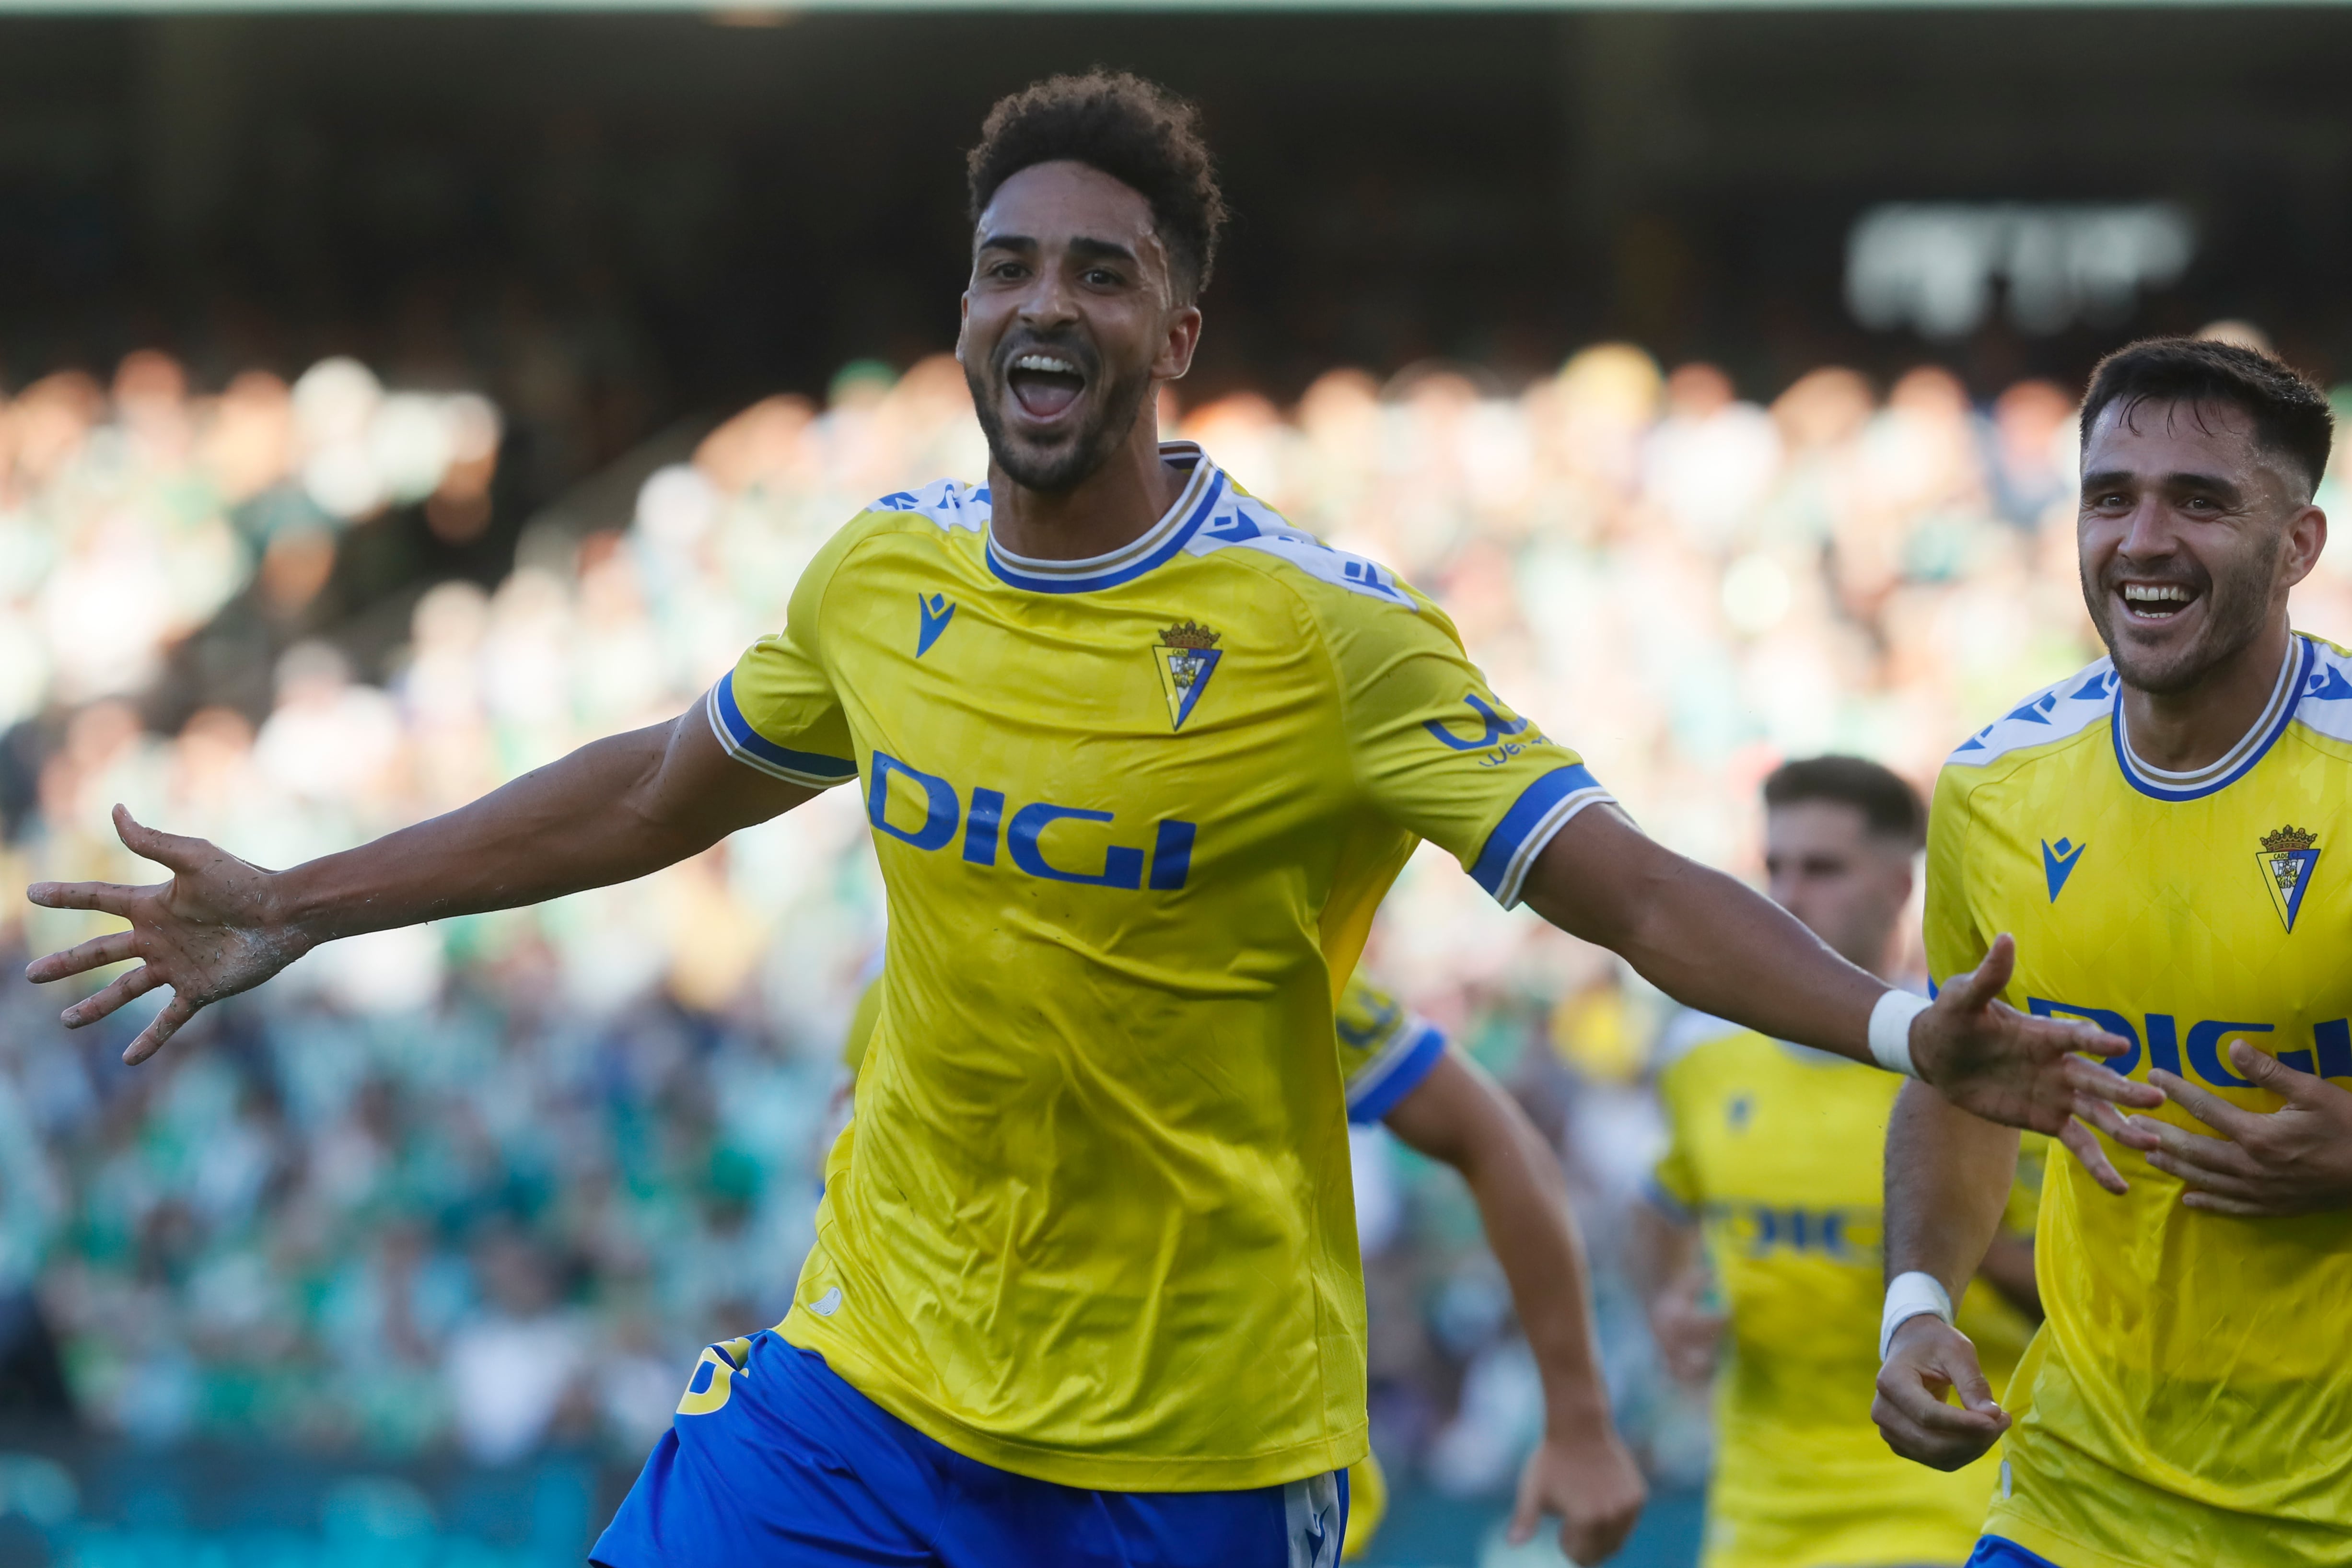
x=356, y=456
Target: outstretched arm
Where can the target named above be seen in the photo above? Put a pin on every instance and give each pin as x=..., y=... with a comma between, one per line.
x=614, y=809
x=1714, y=944
x=1580, y=1471
x=1948, y=1177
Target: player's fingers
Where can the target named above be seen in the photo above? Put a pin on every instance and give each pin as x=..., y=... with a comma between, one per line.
x=2094, y=1081
x=2242, y=1208
x=2221, y=1184
x=1526, y=1511
x=94, y=954
x=1980, y=985
x=2194, y=1150
x=126, y=988
x=107, y=897
x=2080, y=1143
x=167, y=1024
x=2214, y=1111
x=2259, y=1067
x=170, y=850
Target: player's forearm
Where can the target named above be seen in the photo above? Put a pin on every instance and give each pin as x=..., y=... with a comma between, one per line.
x=1706, y=940
x=1661, y=1251
x=590, y=818
x=1947, y=1179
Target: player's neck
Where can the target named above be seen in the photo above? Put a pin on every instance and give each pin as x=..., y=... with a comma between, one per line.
x=1114, y=506
x=2182, y=731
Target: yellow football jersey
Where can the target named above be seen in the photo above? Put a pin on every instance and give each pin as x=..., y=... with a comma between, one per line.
x=1092, y=1221
x=2189, y=1401
x=1776, y=1150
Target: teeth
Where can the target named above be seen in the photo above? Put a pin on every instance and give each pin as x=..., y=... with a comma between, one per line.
x=2156, y=593
x=1049, y=363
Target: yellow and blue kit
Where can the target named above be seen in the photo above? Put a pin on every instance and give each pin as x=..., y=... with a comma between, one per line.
x=1775, y=1150
x=1092, y=1220
x=2188, y=1400
x=1386, y=1051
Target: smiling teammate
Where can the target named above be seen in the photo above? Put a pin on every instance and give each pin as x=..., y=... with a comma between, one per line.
x=1141, y=760
x=2171, y=829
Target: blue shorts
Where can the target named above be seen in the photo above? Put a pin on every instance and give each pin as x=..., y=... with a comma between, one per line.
x=1992, y=1552
x=773, y=1458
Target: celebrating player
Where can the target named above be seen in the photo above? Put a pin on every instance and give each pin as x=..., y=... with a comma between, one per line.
x=2163, y=828
x=1774, y=1163
x=1141, y=760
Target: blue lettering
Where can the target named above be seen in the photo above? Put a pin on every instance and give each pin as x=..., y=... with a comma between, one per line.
x=1495, y=727
x=1171, y=855
x=2335, y=1038
x=2163, y=1043
x=2114, y=1023
x=940, y=813
x=979, y=832
x=2205, y=1051
x=1122, y=866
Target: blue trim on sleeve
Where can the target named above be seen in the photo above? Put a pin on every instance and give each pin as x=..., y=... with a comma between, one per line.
x=1404, y=1075
x=1654, y=1193
x=748, y=744
x=1541, y=810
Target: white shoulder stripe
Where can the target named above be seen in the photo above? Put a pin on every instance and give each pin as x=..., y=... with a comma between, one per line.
x=1248, y=523
x=2326, y=705
x=2054, y=713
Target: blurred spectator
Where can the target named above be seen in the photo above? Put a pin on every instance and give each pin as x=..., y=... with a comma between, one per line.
x=487, y=1185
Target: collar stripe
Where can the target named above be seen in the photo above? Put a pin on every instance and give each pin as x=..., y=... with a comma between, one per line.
x=1170, y=534
x=2255, y=745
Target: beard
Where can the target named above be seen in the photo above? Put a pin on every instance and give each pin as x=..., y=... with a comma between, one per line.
x=1055, y=470
x=2237, y=605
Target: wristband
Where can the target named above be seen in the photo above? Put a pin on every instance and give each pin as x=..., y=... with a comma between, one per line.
x=1910, y=1295
x=1890, y=1031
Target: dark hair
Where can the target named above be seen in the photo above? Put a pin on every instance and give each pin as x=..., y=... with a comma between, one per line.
x=2291, y=415
x=1138, y=132
x=1884, y=797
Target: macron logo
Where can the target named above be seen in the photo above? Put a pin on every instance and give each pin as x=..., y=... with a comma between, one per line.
x=936, y=612
x=2058, y=863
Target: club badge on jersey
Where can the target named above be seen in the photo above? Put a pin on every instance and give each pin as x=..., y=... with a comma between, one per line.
x=2288, y=858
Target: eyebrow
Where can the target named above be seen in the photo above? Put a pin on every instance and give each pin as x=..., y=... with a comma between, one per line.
x=2178, y=481
x=1099, y=249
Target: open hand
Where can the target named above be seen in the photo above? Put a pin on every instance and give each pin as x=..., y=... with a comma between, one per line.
x=2010, y=1067
x=2296, y=1159
x=1928, y=1359
x=1588, y=1480
x=212, y=931
x=1687, y=1333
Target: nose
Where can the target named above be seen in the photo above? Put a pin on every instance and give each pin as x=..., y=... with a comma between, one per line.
x=2147, y=531
x=1049, y=301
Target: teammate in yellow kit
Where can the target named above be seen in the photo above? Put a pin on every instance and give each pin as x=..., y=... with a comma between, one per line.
x=2169, y=832
x=1141, y=760
x=1774, y=1164
x=1399, y=1070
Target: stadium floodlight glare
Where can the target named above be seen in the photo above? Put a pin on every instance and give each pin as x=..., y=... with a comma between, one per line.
x=1931, y=266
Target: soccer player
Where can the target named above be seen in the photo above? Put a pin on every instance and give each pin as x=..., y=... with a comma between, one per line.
x=2168, y=829
x=1141, y=760
x=1398, y=1069
x=1773, y=1163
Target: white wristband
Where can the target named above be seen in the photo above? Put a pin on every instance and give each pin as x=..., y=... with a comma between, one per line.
x=1909, y=1296
x=1890, y=1031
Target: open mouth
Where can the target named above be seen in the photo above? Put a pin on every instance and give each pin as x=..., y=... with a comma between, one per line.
x=2155, y=601
x=1044, y=384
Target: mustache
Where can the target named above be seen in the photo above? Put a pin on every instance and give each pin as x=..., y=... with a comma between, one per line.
x=1068, y=345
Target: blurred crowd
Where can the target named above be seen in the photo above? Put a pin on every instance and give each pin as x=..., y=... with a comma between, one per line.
x=485, y=1185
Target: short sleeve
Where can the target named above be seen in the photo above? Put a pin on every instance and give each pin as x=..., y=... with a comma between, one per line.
x=777, y=710
x=1440, y=755
x=1386, y=1049
x=1954, y=944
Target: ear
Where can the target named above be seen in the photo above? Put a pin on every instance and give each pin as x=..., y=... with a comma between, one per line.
x=1176, y=349
x=2306, y=535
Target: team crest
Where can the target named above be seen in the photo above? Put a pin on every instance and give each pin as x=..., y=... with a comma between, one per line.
x=2287, y=860
x=1186, y=655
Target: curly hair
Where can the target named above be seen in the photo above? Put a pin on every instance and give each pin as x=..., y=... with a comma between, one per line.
x=1138, y=132
x=2291, y=415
